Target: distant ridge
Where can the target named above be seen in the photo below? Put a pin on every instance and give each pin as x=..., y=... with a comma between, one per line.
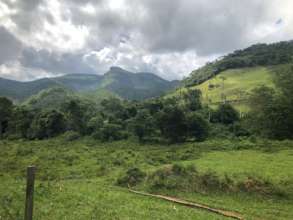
x=125, y=84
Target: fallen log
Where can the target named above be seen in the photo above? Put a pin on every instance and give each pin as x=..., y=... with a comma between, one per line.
x=222, y=212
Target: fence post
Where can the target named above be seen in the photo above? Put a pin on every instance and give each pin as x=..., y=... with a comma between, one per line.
x=29, y=201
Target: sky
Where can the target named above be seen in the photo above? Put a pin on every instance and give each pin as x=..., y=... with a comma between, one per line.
x=44, y=38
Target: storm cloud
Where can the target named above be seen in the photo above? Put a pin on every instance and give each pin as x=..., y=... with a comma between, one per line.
x=168, y=37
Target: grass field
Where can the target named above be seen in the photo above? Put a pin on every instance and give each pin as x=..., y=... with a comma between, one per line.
x=233, y=84
x=77, y=180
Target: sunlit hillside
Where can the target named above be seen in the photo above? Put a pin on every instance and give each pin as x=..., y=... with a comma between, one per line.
x=233, y=86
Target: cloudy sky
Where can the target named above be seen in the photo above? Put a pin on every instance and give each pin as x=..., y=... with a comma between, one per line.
x=40, y=38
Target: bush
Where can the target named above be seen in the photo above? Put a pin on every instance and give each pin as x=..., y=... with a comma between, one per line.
x=133, y=177
x=258, y=185
x=71, y=136
x=220, y=131
x=173, y=177
x=110, y=132
x=186, y=178
x=225, y=114
x=239, y=130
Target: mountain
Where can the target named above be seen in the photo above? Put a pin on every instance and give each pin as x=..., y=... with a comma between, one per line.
x=135, y=86
x=118, y=82
x=19, y=91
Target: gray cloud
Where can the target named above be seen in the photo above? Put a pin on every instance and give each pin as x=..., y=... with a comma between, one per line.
x=54, y=62
x=10, y=46
x=170, y=37
x=27, y=16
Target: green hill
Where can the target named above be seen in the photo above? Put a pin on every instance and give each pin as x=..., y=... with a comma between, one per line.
x=253, y=56
x=135, y=86
x=235, y=85
x=51, y=98
x=19, y=91
x=117, y=82
x=232, y=77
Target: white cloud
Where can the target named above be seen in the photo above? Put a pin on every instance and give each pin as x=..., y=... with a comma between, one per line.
x=130, y=58
x=15, y=71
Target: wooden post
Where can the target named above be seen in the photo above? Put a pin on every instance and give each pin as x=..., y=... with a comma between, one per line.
x=29, y=201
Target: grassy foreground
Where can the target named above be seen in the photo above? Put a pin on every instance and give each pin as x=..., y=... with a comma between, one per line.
x=77, y=180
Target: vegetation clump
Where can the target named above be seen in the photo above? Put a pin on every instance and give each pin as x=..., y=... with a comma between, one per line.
x=189, y=179
x=133, y=177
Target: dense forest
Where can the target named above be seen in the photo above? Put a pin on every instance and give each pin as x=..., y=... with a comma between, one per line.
x=172, y=119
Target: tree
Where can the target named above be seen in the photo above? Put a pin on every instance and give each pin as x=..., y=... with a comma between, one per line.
x=261, y=98
x=192, y=99
x=153, y=105
x=20, y=123
x=115, y=108
x=6, y=108
x=198, y=127
x=172, y=123
x=142, y=125
x=94, y=124
x=225, y=114
x=283, y=78
x=47, y=124
x=74, y=113
x=110, y=132
x=272, y=112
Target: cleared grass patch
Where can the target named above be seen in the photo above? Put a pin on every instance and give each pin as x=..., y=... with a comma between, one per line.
x=275, y=166
x=77, y=180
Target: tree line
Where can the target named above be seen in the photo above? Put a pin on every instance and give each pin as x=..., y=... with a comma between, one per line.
x=173, y=119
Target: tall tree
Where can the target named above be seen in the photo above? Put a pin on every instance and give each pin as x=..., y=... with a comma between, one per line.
x=142, y=125
x=198, y=127
x=6, y=108
x=192, y=99
x=272, y=112
x=75, y=116
x=172, y=123
x=21, y=121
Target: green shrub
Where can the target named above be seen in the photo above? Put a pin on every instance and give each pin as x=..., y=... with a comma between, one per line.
x=186, y=178
x=110, y=132
x=258, y=185
x=71, y=136
x=133, y=177
x=173, y=177
x=225, y=114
